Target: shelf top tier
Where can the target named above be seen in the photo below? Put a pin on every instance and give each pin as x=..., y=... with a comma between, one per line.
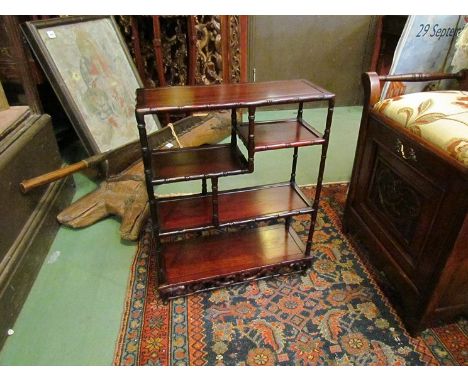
x=185, y=98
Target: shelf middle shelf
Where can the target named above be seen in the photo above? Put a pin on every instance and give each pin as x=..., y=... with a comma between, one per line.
x=192, y=163
x=274, y=135
x=191, y=213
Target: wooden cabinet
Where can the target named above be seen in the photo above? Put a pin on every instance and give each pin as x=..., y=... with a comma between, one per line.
x=225, y=258
x=407, y=203
x=28, y=222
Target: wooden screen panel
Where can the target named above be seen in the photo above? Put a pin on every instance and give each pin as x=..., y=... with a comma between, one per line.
x=187, y=50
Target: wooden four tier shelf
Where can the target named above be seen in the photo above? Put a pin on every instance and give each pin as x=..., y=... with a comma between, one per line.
x=224, y=258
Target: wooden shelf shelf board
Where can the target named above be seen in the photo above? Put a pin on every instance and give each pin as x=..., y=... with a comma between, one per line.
x=184, y=98
x=219, y=259
x=236, y=206
x=273, y=135
x=203, y=258
x=195, y=163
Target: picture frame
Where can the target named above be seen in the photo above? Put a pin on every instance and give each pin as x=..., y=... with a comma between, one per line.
x=86, y=60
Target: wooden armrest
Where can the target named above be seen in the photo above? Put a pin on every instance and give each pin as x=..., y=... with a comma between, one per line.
x=372, y=82
x=372, y=90
x=420, y=77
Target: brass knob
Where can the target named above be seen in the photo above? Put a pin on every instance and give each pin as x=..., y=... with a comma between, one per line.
x=405, y=153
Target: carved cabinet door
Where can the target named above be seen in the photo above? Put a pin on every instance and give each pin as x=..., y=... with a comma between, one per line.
x=398, y=197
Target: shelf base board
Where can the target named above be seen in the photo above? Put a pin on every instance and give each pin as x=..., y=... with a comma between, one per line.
x=230, y=258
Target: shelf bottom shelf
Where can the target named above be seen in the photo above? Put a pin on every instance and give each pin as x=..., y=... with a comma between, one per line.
x=229, y=258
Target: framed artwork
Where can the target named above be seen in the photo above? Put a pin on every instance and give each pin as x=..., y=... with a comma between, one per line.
x=91, y=71
x=430, y=38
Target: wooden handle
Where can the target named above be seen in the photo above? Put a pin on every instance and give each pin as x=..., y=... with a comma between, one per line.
x=28, y=185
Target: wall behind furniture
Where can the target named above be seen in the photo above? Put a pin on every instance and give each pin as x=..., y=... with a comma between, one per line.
x=332, y=51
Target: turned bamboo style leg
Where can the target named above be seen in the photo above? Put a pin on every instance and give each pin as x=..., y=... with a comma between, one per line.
x=318, y=188
x=204, y=189
x=233, y=127
x=251, y=139
x=149, y=176
x=292, y=180
x=214, y=198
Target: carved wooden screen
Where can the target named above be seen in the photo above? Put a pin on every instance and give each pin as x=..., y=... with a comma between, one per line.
x=187, y=50
x=167, y=50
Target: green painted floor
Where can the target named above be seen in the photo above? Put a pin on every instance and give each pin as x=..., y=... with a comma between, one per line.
x=72, y=314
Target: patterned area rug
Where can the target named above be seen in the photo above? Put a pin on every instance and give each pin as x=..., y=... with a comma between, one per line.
x=333, y=315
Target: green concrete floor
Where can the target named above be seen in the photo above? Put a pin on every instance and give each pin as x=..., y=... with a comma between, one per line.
x=72, y=314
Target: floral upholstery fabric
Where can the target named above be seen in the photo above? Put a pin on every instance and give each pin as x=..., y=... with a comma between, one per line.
x=440, y=117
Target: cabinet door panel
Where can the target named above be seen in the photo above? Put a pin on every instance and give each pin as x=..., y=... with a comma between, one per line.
x=401, y=203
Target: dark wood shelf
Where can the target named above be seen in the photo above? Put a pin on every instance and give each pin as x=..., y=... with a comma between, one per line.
x=273, y=135
x=193, y=213
x=176, y=165
x=217, y=260
x=228, y=257
x=185, y=98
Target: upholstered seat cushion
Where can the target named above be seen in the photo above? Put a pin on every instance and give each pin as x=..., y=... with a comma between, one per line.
x=440, y=117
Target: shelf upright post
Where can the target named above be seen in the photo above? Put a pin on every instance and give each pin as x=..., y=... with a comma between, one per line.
x=292, y=180
x=300, y=110
x=296, y=149
x=251, y=139
x=294, y=164
x=233, y=127
x=146, y=154
x=204, y=189
x=214, y=200
x=318, y=188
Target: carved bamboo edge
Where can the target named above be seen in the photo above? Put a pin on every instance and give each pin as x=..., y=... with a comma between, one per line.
x=230, y=105
x=160, y=181
x=188, y=288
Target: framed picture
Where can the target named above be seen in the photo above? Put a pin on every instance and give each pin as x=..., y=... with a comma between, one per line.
x=91, y=71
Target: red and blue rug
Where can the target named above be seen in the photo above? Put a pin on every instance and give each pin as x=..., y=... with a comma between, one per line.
x=334, y=315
